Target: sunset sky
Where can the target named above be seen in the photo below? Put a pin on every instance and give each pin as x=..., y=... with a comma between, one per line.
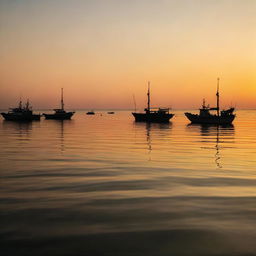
x=103, y=52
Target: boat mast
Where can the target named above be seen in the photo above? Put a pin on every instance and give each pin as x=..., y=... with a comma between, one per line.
x=27, y=105
x=148, y=96
x=62, y=102
x=20, y=103
x=203, y=106
x=218, y=98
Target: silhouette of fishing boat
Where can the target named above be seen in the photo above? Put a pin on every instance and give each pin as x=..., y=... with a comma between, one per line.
x=223, y=117
x=60, y=113
x=90, y=113
x=21, y=113
x=157, y=115
x=111, y=112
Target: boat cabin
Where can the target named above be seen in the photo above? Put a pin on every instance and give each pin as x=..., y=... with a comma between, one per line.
x=158, y=110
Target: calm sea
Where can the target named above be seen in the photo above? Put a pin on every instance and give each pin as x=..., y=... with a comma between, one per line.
x=105, y=185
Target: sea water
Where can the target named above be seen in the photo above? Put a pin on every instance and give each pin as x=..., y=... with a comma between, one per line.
x=105, y=185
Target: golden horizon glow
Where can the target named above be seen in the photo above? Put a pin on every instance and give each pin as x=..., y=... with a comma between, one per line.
x=103, y=52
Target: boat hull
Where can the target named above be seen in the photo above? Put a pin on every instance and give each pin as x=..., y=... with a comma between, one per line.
x=152, y=117
x=213, y=119
x=59, y=116
x=20, y=117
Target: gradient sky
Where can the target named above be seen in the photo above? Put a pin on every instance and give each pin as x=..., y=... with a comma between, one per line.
x=103, y=52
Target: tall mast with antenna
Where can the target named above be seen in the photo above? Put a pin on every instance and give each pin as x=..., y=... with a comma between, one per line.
x=27, y=104
x=20, y=103
x=62, y=102
x=218, y=97
x=148, y=96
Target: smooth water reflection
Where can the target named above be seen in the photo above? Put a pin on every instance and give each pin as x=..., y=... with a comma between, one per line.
x=162, y=130
x=105, y=185
x=217, y=135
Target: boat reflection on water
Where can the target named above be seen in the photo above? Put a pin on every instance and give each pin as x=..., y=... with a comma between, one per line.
x=62, y=144
x=61, y=126
x=216, y=135
x=154, y=132
x=21, y=130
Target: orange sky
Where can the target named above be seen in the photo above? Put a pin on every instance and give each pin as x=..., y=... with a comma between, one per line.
x=102, y=52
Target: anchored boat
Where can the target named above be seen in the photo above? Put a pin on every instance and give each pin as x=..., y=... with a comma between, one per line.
x=60, y=113
x=21, y=113
x=158, y=115
x=90, y=112
x=224, y=117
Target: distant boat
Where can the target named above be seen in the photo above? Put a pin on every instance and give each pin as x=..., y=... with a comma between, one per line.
x=111, y=113
x=158, y=115
x=60, y=113
x=90, y=113
x=224, y=117
x=21, y=113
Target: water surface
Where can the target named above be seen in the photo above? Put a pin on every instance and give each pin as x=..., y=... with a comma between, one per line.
x=105, y=185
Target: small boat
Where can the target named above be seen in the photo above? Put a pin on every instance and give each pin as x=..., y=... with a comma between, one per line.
x=223, y=117
x=60, y=113
x=21, y=113
x=90, y=113
x=157, y=115
x=111, y=113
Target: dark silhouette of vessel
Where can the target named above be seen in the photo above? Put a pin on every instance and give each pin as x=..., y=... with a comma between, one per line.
x=60, y=113
x=90, y=112
x=111, y=112
x=21, y=113
x=224, y=117
x=158, y=115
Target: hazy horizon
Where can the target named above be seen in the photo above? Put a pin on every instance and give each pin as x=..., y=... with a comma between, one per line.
x=103, y=52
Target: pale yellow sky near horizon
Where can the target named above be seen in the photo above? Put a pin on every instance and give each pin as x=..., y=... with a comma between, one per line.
x=103, y=52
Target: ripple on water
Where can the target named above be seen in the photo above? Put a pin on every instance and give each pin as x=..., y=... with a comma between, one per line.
x=108, y=186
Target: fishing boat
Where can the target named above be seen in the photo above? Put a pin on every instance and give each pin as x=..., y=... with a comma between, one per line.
x=60, y=113
x=223, y=117
x=90, y=113
x=21, y=113
x=111, y=112
x=158, y=115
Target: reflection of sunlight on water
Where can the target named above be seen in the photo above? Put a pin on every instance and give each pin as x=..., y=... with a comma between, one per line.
x=89, y=182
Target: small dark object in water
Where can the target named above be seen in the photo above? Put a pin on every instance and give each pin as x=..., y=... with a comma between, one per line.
x=111, y=113
x=90, y=113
